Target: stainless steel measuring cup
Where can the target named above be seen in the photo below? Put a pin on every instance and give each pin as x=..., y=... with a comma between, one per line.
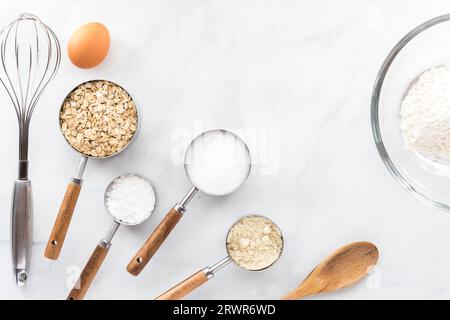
x=242, y=155
x=197, y=279
x=62, y=222
x=98, y=256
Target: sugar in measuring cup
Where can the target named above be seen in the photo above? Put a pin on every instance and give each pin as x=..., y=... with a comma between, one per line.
x=130, y=199
x=217, y=162
x=253, y=243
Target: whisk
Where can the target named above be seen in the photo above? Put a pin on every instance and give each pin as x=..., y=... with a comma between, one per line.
x=30, y=56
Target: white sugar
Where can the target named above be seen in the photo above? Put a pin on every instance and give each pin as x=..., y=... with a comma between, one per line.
x=218, y=162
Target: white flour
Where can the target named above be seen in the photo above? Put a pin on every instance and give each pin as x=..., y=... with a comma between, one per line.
x=130, y=199
x=218, y=162
x=425, y=114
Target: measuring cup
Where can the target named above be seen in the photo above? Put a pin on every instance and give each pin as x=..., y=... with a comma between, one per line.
x=197, y=279
x=98, y=256
x=62, y=222
x=217, y=162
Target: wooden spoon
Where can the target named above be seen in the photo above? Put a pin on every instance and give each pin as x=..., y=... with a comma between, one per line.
x=341, y=269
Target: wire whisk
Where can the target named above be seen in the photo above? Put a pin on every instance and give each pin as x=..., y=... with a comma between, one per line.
x=30, y=55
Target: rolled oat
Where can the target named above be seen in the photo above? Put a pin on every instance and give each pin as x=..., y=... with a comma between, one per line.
x=98, y=118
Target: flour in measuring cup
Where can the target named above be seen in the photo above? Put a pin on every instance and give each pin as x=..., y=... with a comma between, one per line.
x=425, y=114
x=130, y=199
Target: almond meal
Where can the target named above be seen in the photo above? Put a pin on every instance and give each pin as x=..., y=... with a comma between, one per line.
x=254, y=242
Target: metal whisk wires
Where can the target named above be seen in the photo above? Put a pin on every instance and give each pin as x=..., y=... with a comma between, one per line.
x=30, y=56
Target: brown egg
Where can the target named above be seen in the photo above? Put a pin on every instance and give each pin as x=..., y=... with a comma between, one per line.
x=89, y=45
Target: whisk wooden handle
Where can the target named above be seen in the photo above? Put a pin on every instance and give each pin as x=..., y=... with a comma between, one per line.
x=156, y=239
x=185, y=287
x=88, y=274
x=59, y=231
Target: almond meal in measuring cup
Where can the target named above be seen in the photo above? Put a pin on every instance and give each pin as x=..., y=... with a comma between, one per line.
x=254, y=242
x=98, y=118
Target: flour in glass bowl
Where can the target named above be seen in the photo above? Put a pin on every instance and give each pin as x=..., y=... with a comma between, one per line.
x=130, y=199
x=425, y=114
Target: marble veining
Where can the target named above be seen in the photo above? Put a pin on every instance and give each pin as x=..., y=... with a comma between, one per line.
x=294, y=79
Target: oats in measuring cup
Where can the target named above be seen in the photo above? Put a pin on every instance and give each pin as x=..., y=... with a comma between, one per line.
x=98, y=118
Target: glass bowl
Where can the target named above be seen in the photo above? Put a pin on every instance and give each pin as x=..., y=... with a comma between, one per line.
x=424, y=47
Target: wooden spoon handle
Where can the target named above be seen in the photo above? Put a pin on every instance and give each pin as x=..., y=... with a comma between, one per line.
x=185, y=287
x=294, y=295
x=59, y=231
x=88, y=274
x=156, y=239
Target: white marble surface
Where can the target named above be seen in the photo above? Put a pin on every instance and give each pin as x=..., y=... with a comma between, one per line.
x=294, y=78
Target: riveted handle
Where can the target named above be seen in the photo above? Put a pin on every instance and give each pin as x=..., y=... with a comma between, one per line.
x=88, y=274
x=62, y=222
x=156, y=239
x=185, y=287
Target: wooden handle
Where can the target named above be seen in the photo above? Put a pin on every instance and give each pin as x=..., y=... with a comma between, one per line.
x=56, y=240
x=149, y=248
x=185, y=287
x=294, y=295
x=88, y=274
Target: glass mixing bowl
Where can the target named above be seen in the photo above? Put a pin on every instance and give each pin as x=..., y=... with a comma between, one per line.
x=424, y=47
